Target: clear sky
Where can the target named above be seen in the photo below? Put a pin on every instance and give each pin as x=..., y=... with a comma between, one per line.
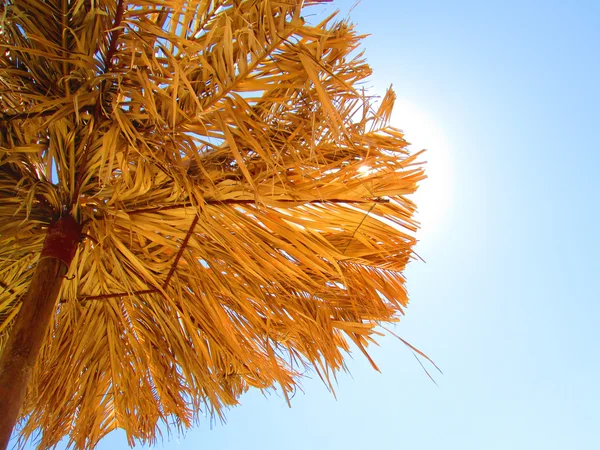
x=506, y=96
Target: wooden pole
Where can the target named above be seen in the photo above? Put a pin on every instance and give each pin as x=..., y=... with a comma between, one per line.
x=31, y=323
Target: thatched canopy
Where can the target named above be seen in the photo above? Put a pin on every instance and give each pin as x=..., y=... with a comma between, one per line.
x=243, y=204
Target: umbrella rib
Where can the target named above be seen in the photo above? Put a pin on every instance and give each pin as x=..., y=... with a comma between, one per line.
x=180, y=252
x=114, y=37
x=24, y=115
x=118, y=294
x=252, y=202
x=357, y=228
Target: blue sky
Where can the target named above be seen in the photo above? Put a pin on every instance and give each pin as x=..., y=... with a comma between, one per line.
x=507, y=302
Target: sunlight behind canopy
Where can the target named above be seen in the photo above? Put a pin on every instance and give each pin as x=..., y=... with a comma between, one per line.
x=435, y=194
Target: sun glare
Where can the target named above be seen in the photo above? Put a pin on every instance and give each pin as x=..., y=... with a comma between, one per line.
x=434, y=195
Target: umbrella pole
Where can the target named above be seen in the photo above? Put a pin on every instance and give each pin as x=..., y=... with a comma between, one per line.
x=31, y=323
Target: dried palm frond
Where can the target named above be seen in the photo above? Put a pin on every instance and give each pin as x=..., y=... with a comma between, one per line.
x=243, y=205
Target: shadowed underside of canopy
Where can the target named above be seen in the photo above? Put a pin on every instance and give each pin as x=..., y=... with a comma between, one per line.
x=243, y=205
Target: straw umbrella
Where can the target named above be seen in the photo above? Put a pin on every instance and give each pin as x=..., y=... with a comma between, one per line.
x=196, y=198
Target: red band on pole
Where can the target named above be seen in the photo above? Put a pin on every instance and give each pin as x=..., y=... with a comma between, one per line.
x=62, y=240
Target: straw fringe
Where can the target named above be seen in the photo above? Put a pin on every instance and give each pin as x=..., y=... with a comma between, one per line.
x=244, y=206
